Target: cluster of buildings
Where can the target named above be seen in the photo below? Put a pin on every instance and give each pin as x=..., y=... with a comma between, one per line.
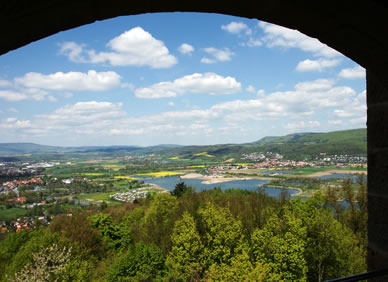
x=131, y=196
x=22, y=168
x=12, y=186
x=24, y=223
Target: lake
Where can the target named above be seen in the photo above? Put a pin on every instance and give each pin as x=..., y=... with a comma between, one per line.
x=353, y=177
x=250, y=184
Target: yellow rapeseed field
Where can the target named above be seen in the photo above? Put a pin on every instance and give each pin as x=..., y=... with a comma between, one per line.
x=126, y=177
x=162, y=173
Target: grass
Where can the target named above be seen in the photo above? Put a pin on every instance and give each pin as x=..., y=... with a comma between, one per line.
x=311, y=170
x=98, y=197
x=12, y=213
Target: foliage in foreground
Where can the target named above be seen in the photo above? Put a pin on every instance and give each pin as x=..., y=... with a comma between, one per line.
x=212, y=235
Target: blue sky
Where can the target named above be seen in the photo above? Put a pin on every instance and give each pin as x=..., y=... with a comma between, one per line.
x=176, y=78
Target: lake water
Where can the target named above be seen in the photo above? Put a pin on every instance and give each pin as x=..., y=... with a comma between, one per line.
x=341, y=175
x=251, y=184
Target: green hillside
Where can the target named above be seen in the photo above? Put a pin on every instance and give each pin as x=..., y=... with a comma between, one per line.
x=292, y=146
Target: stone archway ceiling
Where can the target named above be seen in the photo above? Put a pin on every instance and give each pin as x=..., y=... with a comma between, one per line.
x=358, y=29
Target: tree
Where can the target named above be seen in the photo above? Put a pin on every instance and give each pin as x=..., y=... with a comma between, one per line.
x=181, y=188
x=241, y=269
x=46, y=265
x=158, y=220
x=117, y=235
x=185, y=257
x=223, y=235
x=141, y=262
x=281, y=245
x=331, y=249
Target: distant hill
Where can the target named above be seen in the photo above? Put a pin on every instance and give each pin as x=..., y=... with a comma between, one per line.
x=26, y=148
x=292, y=146
x=29, y=148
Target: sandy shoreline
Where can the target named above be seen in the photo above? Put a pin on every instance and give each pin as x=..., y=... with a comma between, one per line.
x=323, y=173
x=157, y=187
x=210, y=179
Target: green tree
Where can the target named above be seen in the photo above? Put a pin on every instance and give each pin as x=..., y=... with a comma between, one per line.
x=142, y=262
x=185, y=258
x=240, y=269
x=331, y=248
x=115, y=234
x=281, y=246
x=181, y=189
x=223, y=235
x=158, y=220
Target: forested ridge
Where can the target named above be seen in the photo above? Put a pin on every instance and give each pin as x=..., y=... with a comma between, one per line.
x=232, y=235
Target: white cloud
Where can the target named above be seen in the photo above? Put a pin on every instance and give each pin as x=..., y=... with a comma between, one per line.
x=171, y=104
x=253, y=42
x=251, y=89
x=210, y=83
x=357, y=72
x=356, y=108
x=315, y=85
x=278, y=36
x=307, y=99
x=82, y=112
x=317, y=65
x=206, y=60
x=5, y=83
x=220, y=55
x=260, y=92
x=135, y=47
x=302, y=125
x=12, y=96
x=186, y=49
x=235, y=27
x=14, y=123
x=335, y=122
x=73, y=51
x=77, y=81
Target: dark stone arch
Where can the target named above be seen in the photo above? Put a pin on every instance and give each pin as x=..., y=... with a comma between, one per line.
x=358, y=29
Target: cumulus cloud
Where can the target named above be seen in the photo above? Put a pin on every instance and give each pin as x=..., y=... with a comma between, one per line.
x=235, y=27
x=307, y=98
x=14, y=123
x=217, y=55
x=5, y=83
x=317, y=65
x=303, y=125
x=357, y=72
x=357, y=108
x=278, y=36
x=85, y=112
x=135, y=47
x=251, y=89
x=12, y=96
x=77, y=81
x=210, y=83
x=186, y=49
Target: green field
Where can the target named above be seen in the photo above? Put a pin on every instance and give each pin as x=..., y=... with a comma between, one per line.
x=98, y=198
x=12, y=213
x=311, y=170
